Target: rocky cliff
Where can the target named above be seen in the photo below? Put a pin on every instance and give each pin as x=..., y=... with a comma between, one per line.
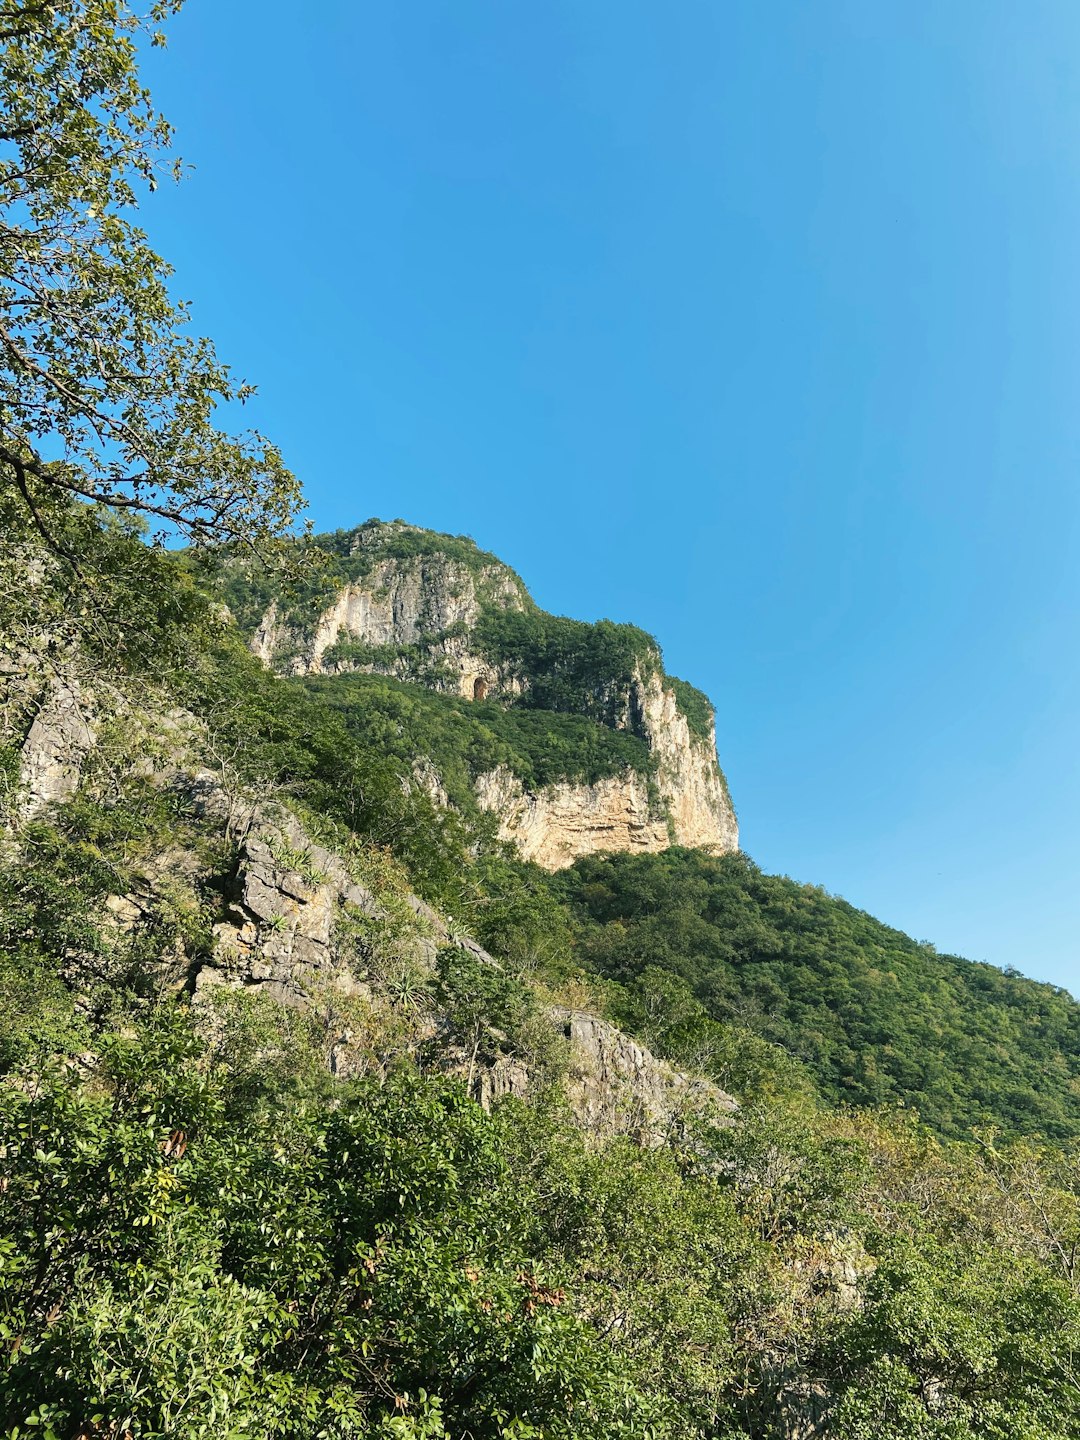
x=299, y=923
x=434, y=611
x=290, y=933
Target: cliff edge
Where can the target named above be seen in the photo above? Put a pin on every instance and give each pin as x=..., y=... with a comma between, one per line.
x=600, y=748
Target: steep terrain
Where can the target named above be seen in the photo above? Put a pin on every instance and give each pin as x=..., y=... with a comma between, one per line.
x=324, y=1115
x=327, y=1113
x=304, y=925
x=434, y=611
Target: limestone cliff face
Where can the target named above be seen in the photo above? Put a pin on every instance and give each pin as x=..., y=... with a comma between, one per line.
x=688, y=775
x=433, y=600
x=687, y=805
x=557, y=824
x=415, y=616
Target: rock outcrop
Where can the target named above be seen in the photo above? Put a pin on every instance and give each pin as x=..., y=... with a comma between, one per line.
x=283, y=936
x=431, y=601
x=555, y=825
x=59, y=739
x=285, y=929
x=688, y=775
x=615, y=1086
x=296, y=924
x=415, y=616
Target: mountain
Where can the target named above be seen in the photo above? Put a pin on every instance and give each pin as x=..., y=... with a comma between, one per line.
x=327, y=1113
x=578, y=740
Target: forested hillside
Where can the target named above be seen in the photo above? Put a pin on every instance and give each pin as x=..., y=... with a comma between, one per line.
x=325, y=1116
x=875, y=1017
x=222, y=1213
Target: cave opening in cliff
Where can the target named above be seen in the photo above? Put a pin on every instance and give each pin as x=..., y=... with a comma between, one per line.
x=480, y=688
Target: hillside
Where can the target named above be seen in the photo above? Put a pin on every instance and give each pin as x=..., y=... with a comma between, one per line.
x=877, y=1019
x=340, y=1119
x=871, y=1016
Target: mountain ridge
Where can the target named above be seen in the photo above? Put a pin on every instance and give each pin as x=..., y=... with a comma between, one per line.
x=435, y=611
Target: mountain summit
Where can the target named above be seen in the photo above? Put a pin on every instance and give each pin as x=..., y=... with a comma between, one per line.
x=601, y=749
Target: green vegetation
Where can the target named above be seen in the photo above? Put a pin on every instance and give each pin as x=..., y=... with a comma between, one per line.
x=175, y=1264
x=203, y=1240
x=98, y=368
x=571, y=667
x=274, y=735
x=695, y=705
x=397, y=540
x=324, y=564
x=204, y=1233
x=208, y=1227
x=463, y=739
x=424, y=662
x=875, y=1017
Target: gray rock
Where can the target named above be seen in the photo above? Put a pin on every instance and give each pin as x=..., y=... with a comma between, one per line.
x=616, y=1086
x=52, y=755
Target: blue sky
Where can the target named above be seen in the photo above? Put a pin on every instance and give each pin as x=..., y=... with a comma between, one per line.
x=755, y=324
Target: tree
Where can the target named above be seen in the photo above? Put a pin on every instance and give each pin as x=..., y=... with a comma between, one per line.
x=105, y=395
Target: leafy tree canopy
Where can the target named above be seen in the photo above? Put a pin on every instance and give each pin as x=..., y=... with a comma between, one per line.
x=105, y=395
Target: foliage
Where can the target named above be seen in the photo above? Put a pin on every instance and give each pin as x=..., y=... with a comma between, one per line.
x=125, y=609
x=397, y=540
x=875, y=1017
x=270, y=734
x=66, y=961
x=169, y=1265
x=488, y=1014
x=956, y=1340
x=208, y=1239
x=204, y=1232
x=695, y=706
x=659, y=1006
x=105, y=394
x=465, y=739
x=667, y=1267
x=569, y=666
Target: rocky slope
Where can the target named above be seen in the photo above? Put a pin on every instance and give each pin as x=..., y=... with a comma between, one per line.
x=299, y=925
x=435, y=611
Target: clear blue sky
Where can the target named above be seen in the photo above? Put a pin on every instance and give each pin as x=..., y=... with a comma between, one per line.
x=755, y=324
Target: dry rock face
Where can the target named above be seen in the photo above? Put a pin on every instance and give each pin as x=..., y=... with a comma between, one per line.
x=396, y=604
x=60, y=738
x=688, y=774
x=555, y=825
x=616, y=1086
x=280, y=934
x=432, y=602
x=280, y=938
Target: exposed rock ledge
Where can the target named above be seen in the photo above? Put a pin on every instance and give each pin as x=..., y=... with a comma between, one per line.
x=615, y=1084
x=280, y=938
x=556, y=825
x=51, y=757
